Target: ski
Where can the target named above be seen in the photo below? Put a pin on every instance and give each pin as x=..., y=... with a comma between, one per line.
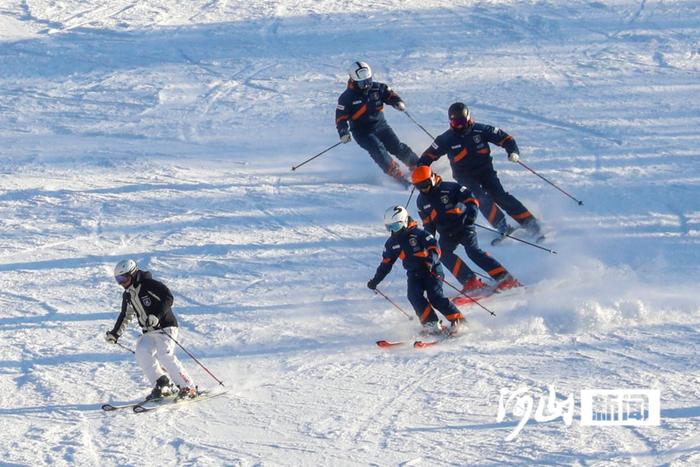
x=131, y=405
x=474, y=296
x=150, y=406
x=419, y=344
x=384, y=344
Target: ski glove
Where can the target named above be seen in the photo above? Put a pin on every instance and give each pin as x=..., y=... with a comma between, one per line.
x=400, y=106
x=111, y=338
x=514, y=157
x=152, y=321
x=345, y=137
x=372, y=284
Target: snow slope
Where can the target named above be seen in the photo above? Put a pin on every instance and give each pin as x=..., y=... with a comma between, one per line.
x=165, y=130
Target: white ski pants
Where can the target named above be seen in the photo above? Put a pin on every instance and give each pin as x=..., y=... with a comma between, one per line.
x=155, y=354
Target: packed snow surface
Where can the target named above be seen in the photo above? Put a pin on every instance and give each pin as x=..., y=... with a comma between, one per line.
x=165, y=130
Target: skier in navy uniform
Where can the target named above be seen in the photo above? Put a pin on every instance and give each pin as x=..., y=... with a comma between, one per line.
x=151, y=302
x=466, y=144
x=420, y=255
x=360, y=111
x=450, y=210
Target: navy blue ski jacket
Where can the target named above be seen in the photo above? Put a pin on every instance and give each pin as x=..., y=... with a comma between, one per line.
x=363, y=110
x=447, y=208
x=417, y=249
x=469, y=151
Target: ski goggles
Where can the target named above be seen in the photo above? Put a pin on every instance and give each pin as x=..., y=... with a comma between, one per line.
x=394, y=226
x=425, y=184
x=122, y=278
x=460, y=122
x=364, y=83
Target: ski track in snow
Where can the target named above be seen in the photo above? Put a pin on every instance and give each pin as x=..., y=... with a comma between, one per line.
x=165, y=132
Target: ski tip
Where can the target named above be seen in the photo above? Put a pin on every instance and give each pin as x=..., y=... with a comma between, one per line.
x=384, y=344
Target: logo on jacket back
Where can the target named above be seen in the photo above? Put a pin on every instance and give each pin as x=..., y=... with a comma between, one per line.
x=445, y=199
x=146, y=300
x=477, y=139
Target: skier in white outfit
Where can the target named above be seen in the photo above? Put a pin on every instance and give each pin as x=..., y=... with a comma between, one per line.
x=151, y=302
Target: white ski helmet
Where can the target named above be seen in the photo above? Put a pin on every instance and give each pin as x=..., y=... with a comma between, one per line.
x=396, y=218
x=124, y=268
x=361, y=74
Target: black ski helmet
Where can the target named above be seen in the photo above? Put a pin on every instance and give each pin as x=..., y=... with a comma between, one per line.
x=460, y=117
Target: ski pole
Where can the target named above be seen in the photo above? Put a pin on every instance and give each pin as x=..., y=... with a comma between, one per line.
x=518, y=239
x=580, y=203
x=458, y=290
x=125, y=348
x=410, y=196
x=419, y=125
x=294, y=167
x=193, y=358
x=410, y=318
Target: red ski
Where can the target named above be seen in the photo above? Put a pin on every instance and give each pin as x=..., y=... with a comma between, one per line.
x=389, y=344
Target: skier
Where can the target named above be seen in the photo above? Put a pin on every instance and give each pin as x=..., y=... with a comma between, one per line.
x=360, y=110
x=420, y=254
x=151, y=301
x=450, y=210
x=466, y=144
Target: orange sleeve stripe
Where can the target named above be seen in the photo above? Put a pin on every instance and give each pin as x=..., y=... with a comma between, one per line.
x=426, y=313
x=484, y=151
x=493, y=213
x=402, y=255
x=386, y=260
x=523, y=215
x=341, y=118
x=430, y=156
x=454, y=211
x=433, y=215
x=505, y=140
x=473, y=201
x=461, y=155
x=496, y=271
x=457, y=267
x=360, y=112
x=421, y=254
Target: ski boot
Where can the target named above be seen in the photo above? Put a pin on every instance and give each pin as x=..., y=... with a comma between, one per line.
x=534, y=229
x=503, y=234
x=163, y=388
x=432, y=328
x=188, y=392
x=507, y=282
x=474, y=283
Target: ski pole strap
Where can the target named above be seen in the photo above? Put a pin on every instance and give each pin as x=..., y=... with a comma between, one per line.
x=518, y=239
x=578, y=201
